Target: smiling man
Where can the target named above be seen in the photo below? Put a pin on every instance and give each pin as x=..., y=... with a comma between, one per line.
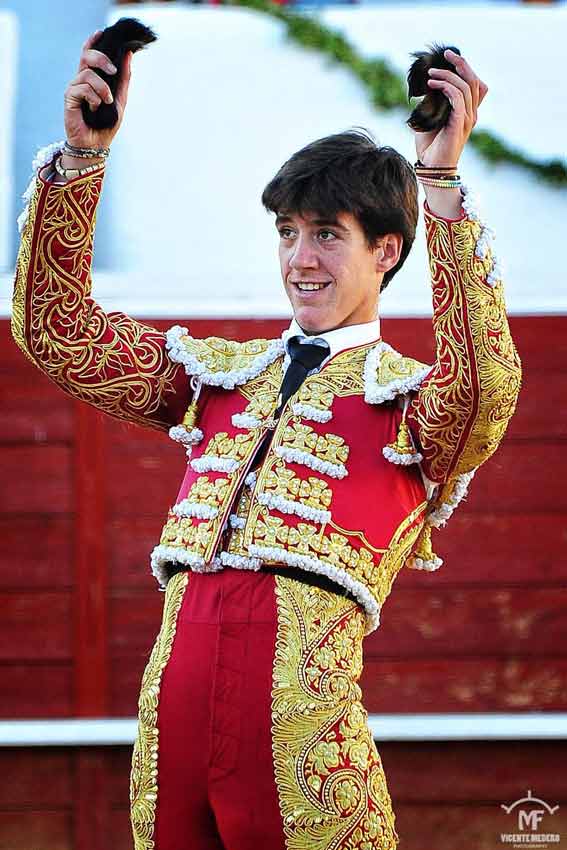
x=318, y=464
x=346, y=214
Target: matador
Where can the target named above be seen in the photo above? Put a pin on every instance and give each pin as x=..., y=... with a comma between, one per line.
x=318, y=465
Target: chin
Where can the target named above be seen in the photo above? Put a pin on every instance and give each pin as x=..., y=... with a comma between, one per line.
x=314, y=321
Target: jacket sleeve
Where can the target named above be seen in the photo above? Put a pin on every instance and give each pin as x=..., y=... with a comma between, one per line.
x=109, y=360
x=463, y=406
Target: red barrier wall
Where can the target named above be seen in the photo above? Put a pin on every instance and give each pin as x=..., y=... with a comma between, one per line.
x=82, y=503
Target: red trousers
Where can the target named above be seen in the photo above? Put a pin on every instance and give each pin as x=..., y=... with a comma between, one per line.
x=252, y=732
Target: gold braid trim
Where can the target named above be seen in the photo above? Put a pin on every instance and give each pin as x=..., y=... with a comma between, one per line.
x=331, y=785
x=111, y=361
x=18, y=321
x=144, y=773
x=464, y=406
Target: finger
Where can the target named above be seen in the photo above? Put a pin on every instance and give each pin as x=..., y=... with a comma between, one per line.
x=122, y=90
x=98, y=84
x=80, y=92
x=455, y=96
x=483, y=91
x=96, y=59
x=462, y=85
x=464, y=70
x=91, y=39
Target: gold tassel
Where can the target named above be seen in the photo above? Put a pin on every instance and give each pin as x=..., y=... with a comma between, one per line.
x=423, y=557
x=190, y=418
x=187, y=432
x=402, y=444
x=402, y=450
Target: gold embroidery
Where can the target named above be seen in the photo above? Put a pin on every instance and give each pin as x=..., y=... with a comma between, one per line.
x=313, y=491
x=274, y=531
x=208, y=492
x=18, y=321
x=236, y=538
x=392, y=367
x=361, y=536
x=110, y=361
x=331, y=785
x=263, y=390
x=199, y=536
x=180, y=531
x=330, y=447
x=464, y=407
x=144, y=772
x=225, y=355
x=315, y=394
x=342, y=375
x=236, y=448
x=262, y=406
x=399, y=549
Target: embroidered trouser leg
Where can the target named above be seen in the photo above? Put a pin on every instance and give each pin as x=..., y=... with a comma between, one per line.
x=252, y=732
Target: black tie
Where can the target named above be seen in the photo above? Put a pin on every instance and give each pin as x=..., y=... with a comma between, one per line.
x=304, y=357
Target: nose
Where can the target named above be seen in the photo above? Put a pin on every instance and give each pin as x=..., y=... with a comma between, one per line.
x=303, y=255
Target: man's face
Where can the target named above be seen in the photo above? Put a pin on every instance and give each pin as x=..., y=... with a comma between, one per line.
x=312, y=251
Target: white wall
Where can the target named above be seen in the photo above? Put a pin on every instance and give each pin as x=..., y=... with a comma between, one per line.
x=221, y=100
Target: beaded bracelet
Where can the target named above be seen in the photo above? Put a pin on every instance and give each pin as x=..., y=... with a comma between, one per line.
x=67, y=173
x=440, y=183
x=437, y=176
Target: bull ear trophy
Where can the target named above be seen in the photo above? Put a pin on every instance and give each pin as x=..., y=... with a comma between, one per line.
x=115, y=41
x=433, y=111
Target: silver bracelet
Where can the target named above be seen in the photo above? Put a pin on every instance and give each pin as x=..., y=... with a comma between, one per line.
x=86, y=153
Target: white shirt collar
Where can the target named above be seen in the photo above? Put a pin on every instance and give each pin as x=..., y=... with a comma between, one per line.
x=338, y=339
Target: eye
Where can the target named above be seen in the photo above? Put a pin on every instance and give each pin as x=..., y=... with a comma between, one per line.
x=284, y=232
x=330, y=233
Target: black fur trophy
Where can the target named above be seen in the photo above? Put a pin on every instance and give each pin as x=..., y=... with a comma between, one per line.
x=433, y=111
x=126, y=34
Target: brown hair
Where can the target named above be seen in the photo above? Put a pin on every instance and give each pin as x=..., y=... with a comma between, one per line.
x=349, y=172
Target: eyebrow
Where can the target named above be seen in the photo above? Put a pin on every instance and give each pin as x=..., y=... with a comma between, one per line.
x=281, y=219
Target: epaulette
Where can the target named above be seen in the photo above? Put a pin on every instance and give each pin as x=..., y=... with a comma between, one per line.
x=221, y=362
x=387, y=374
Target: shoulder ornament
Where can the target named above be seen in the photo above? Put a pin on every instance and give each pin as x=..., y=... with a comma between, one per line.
x=388, y=374
x=221, y=362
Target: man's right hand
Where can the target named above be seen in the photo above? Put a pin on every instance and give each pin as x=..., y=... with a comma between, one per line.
x=87, y=85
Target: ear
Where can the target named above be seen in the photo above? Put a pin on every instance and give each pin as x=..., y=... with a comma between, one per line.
x=387, y=251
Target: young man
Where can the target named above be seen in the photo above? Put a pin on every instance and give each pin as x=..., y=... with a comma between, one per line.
x=318, y=463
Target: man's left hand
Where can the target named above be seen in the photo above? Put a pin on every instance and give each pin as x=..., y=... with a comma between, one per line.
x=465, y=92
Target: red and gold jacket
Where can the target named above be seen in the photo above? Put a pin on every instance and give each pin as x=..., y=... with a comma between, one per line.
x=370, y=454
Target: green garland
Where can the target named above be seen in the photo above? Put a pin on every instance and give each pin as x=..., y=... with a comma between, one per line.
x=388, y=89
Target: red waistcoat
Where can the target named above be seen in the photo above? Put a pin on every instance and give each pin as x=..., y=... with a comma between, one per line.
x=324, y=498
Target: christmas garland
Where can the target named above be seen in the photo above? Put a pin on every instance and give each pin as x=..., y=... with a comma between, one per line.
x=388, y=89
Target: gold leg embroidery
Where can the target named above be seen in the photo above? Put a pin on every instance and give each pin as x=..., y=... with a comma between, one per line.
x=144, y=773
x=331, y=784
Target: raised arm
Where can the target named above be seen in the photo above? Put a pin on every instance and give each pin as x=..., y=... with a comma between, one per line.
x=464, y=405
x=111, y=361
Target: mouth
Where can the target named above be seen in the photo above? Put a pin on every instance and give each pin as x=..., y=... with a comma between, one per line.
x=310, y=287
